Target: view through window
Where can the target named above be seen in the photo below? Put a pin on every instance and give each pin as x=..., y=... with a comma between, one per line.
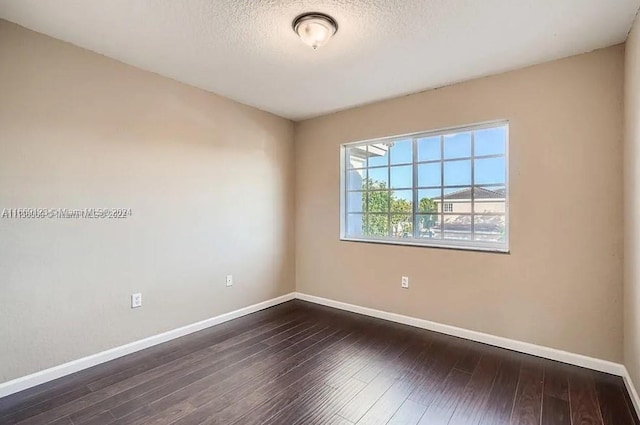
x=445, y=188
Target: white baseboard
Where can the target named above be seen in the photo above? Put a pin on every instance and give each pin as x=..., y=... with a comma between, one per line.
x=497, y=341
x=22, y=383
x=25, y=382
x=633, y=393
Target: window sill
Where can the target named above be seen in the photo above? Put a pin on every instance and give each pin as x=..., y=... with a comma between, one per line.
x=414, y=243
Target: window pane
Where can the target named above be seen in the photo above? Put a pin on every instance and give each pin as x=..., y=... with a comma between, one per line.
x=429, y=149
x=490, y=228
x=402, y=201
x=490, y=141
x=402, y=152
x=357, y=157
x=379, y=178
x=402, y=177
x=378, y=201
x=377, y=225
x=490, y=199
x=355, y=179
x=378, y=154
x=457, y=227
x=428, y=200
x=457, y=145
x=354, y=224
x=457, y=173
x=457, y=200
x=490, y=170
x=429, y=175
x=402, y=225
x=356, y=201
x=429, y=226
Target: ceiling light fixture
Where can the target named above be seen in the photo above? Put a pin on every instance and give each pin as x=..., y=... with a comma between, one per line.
x=315, y=29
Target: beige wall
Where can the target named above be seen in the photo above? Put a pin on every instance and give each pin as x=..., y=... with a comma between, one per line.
x=561, y=286
x=632, y=206
x=209, y=182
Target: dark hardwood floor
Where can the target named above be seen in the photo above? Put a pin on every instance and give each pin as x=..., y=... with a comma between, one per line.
x=299, y=363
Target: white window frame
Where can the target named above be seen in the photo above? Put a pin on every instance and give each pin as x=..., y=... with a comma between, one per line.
x=500, y=247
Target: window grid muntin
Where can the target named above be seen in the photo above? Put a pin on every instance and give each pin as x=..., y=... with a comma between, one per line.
x=414, y=180
x=415, y=212
x=473, y=186
x=389, y=193
x=441, y=220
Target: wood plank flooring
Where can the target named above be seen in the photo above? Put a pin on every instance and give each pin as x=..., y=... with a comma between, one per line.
x=299, y=363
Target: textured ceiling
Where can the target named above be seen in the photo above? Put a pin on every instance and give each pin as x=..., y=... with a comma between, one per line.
x=247, y=51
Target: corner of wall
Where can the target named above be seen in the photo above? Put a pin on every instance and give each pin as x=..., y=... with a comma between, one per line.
x=632, y=209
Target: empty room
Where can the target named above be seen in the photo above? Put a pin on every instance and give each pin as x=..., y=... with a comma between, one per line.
x=320, y=212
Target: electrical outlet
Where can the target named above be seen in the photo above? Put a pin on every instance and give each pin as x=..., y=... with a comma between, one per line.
x=136, y=300
x=229, y=280
x=405, y=282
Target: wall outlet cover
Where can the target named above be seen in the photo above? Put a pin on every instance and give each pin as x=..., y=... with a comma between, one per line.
x=405, y=282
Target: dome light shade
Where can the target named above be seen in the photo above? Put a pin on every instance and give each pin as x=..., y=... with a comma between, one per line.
x=315, y=29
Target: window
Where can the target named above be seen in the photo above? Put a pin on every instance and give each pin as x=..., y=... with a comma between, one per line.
x=445, y=188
